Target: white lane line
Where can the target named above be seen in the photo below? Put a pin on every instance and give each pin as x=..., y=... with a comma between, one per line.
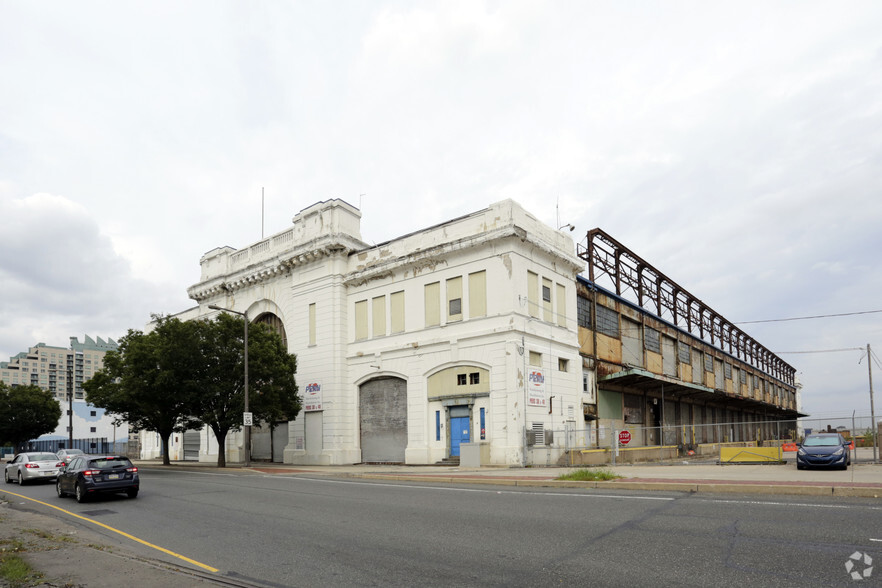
x=880, y=540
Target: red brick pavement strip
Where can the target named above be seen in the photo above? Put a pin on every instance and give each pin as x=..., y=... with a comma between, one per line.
x=755, y=482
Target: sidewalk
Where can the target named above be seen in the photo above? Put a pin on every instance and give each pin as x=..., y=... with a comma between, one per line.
x=860, y=480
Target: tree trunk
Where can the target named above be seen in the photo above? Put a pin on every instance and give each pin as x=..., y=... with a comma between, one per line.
x=221, y=437
x=165, y=458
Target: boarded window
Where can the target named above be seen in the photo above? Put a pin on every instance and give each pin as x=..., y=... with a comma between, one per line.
x=433, y=304
x=583, y=310
x=697, y=369
x=728, y=370
x=378, y=307
x=454, y=299
x=535, y=359
x=396, y=309
x=708, y=362
x=632, y=342
x=312, y=324
x=607, y=321
x=477, y=294
x=361, y=320
x=533, y=294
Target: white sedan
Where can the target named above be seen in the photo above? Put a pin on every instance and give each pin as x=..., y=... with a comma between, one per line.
x=36, y=465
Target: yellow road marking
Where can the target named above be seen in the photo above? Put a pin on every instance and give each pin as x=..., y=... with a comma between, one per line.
x=123, y=533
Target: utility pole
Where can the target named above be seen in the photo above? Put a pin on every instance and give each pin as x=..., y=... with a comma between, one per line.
x=874, y=426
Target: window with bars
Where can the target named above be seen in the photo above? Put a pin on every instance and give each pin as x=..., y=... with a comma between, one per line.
x=607, y=321
x=708, y=362
x=727, y=370
x=652, y=340
x=583, y=311
x=684, y=353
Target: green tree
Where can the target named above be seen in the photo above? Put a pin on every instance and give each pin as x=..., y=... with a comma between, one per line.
x=26, y=412
x=151, y=380
x=271, y=377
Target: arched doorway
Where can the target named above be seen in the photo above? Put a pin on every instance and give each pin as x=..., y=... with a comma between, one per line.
x=382, y=406
x=274, y=323
x=270, y=442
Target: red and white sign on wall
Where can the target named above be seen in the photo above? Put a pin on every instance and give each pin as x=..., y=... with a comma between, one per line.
x=537, y=388
x=312, y=397
x=625, y=437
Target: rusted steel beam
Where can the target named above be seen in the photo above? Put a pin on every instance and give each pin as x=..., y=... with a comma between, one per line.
x=657, y=293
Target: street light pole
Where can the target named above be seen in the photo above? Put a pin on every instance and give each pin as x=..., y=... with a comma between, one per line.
x=247, y=439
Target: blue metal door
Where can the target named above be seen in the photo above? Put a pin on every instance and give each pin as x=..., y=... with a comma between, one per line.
x=459, y=433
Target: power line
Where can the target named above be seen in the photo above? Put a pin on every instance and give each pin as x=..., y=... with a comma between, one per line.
x=821, y=351
x=804, y=318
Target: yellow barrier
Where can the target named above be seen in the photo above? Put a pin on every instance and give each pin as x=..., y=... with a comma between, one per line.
x=750, y=454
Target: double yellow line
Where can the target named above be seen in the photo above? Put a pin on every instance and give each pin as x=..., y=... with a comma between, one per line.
x=123, y=533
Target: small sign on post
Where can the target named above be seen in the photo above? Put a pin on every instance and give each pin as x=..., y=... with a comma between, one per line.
x=247, y=419
x=624, y=437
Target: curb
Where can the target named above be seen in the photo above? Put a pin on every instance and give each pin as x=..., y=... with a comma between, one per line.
x=661, y=486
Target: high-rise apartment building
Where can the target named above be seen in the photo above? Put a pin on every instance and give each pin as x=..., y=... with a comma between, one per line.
x=57, y=369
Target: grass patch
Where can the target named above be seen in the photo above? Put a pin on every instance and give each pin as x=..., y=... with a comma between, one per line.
x=592, y=475
x=16, y=572
x=49, y=536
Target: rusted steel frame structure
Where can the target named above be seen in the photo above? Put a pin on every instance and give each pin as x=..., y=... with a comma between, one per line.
x=656, y=292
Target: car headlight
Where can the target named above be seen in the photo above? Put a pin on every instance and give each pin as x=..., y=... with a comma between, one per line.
x=801, y=452
x=839, y=451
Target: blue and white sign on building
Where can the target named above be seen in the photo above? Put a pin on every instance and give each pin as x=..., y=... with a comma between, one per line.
x=536, y=388
x=312, y=397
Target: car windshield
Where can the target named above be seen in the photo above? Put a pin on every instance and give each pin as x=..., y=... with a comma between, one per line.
x=73, y=452
x=110, y=462
x=822, y=441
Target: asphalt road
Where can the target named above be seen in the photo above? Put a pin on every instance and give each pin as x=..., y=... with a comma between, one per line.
x=299, y=531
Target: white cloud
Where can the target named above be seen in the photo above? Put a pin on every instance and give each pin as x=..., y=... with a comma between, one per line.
x=737, y=148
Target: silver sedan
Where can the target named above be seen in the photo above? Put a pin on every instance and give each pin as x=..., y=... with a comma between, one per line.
x=36, y=465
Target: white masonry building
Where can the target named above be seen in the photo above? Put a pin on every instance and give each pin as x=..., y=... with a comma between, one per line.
x=456, y=340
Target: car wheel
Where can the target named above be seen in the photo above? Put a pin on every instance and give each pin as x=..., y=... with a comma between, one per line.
x=80, y=493
x=20, y=479
x=61, y=493
x=132, y=493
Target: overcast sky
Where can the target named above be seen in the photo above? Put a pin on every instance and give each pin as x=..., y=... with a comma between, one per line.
x=737, y=147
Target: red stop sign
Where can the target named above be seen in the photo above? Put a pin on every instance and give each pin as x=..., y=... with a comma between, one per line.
x=625, y=437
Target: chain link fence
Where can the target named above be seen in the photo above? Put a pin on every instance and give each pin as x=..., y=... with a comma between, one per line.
x=611, y=442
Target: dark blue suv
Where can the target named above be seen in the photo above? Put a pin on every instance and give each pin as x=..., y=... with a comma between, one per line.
x=89, y=475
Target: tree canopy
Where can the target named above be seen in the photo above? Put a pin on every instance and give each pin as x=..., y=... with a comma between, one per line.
x=26, y=412
x=271, y=377
x=151, y=380
x=187, y=374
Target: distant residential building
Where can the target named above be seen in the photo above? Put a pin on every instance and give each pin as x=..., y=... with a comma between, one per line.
x=62, y=371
